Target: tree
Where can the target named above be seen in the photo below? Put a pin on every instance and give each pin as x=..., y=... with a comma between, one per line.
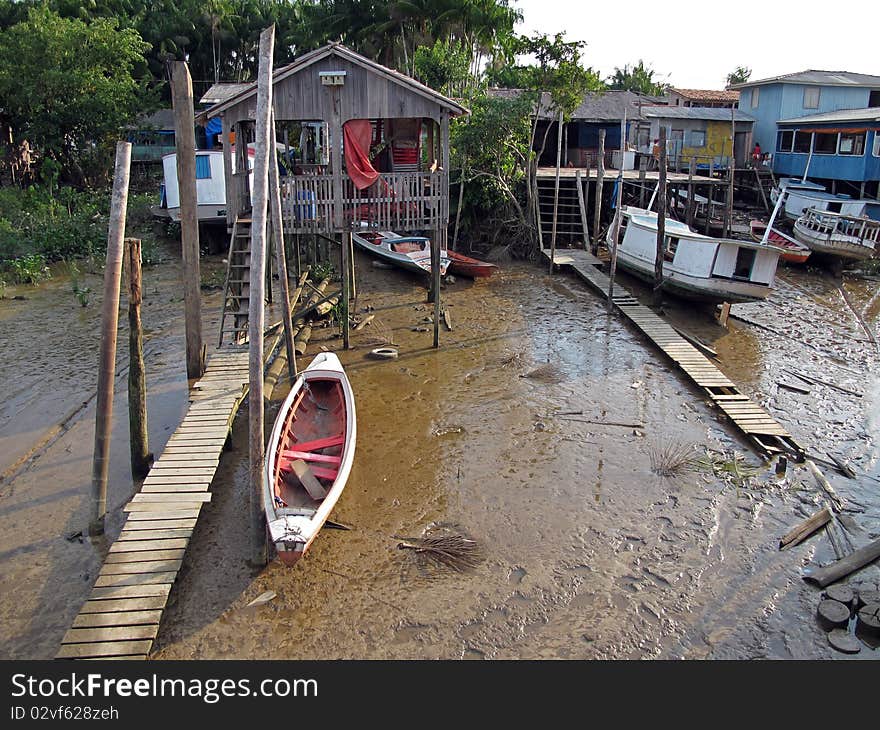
x=639, y=78
x=443, y=66
x=69, y=89
x=739, y=75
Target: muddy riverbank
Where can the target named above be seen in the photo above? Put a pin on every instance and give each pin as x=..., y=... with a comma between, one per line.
x=588, y=552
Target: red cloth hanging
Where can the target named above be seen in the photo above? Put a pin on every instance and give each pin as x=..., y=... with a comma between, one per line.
x=356, y=134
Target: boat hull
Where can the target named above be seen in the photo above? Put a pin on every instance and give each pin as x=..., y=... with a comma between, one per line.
x=794, y=252
x=415, y=262
x=462, y=265
x=309, y=457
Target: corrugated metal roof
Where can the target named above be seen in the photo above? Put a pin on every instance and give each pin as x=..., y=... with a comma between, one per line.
x=707, y=94
x=694, y=112
x=221, y=92
x=817, y=78
x=869, y=114
x=603, y=106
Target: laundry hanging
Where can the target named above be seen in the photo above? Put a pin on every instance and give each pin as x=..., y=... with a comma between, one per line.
x=356, y=134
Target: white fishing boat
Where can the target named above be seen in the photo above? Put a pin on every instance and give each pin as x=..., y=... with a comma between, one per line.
x=412, y=253
x=793, y=185
x=309, y=456
x=696, y=266
x=839, y=234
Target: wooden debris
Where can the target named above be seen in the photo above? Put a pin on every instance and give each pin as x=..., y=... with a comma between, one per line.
x=832, y=614
x=806, y=528
x=795, y=388
x=304, y=473
x=836, y=501
x=454, y=551
x=842, y=568
x=844, y=642
x=869, y=619
x=841, y=593
x=364, y=322
x=842, y=466
x=813, y=381
x=262, y=599
x=447, y=319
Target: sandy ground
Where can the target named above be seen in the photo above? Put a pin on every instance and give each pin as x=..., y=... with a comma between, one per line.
x=588, y=553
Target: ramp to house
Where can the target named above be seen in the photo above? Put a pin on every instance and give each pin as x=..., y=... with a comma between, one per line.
x=759, y=427
x=120, y=618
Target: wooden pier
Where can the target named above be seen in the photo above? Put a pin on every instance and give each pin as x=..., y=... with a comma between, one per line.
x=760, y=428
x=120, y=618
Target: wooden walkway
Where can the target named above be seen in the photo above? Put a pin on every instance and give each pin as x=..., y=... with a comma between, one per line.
x=760, y=428
x=120, y=618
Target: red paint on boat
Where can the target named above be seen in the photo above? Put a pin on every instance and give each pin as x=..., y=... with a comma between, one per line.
x=462, y=265
x=795, y=252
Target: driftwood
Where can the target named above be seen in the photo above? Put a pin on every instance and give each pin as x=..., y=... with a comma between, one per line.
x=697, y=342
x=836, y=501
x=842, y=568
x=813, y=381
x=842, y=467
x=364, y=322
x=795, y=388
x=806, y=528
x=447, y=319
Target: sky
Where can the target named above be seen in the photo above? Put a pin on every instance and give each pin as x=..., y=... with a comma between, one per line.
x=695, y=44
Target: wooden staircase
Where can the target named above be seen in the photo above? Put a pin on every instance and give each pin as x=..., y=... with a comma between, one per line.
x=236, y=294
x=569, y=229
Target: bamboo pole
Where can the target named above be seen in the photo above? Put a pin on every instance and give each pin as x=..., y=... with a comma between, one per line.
x=555, y=191
x=600, y=182
x=256, y=310
x=280, y=253
x=184, y=130
x=618, y=217
x=109, y=322
x=661, y=221
x=137, y=376
x=346, y=265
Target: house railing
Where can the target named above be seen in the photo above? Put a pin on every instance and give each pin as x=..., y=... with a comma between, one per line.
x=404, y=201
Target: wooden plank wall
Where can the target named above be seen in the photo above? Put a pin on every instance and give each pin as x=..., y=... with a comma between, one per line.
x=120, y=618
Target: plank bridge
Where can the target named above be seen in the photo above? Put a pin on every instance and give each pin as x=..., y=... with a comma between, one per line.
x=120, y=619
x=763, y=431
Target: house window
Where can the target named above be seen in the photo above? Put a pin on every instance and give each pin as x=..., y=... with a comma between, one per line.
x=802, y=142
x=697, y=138
x=874, y=98
x=756, y=97
x=852, y=144
x=876, y=143
x=811, y=97
x=826, y=143
x=784, y=141
x=203, y=167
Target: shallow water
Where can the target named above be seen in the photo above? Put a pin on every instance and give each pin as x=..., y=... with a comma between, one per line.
x=588, y=553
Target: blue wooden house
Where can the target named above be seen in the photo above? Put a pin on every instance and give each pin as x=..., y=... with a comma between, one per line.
x=841, y=146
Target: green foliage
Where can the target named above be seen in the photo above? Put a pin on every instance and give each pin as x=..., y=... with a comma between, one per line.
x=322, y=270
x=68, y=89
x=30, y=269
x=80, y=290
x=639, y=78
x=68, y=224
x=444, y=66
x=739, y=75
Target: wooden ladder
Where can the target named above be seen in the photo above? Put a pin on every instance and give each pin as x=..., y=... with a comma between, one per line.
x=236, y=293
x=763, y=177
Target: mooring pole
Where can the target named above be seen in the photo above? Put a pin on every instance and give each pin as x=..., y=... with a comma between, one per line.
x=109, y=323
x=661, y=222
x=600, y=182
x=137, y=374
x=256, y=311
x=556, y=190
x=280, y=252
x=345, y=245
x=618, y=217
x=184, y=130
x=728, y=217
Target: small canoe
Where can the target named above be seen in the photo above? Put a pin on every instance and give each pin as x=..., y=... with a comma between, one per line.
x=412, y=253
x=462, y=265
x=795, y=251
x=309, y=456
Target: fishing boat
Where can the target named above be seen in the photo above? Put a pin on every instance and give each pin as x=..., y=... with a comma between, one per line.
x=412, y=253
x=696, y=266
x=846, y=236
x=462, y=265
x=309, y=456
x=704, y=209
x=793, y=185
x=795, y=252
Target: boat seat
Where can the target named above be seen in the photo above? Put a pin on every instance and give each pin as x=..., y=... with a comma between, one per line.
x=317, y=444
x=310, y=456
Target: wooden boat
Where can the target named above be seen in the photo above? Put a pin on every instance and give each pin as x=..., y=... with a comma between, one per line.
x=309, y=456
x=795, y=252
x=462, y=265
x=412, y=253
x=703, y=208
x=838, y=234
x=696, y=266
x=793, y=185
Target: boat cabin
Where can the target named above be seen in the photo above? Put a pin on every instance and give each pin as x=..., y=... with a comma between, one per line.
x=368, y=146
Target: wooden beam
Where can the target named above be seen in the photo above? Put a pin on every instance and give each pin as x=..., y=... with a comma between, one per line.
x=600, y=182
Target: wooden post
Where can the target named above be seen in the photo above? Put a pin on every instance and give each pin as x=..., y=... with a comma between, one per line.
x=137, y=376
x=256, y=310
x=618, y=219
x=458, y=209
x=661, y=222
x=600, y=182
x=689, y=214
x=643, y=163
x=109, y=322
x=352, y=295
x=556, y=190
x=345, y=241
x=435, y=281
x=184, y=130
x=582, y=206
x=280, y=253
x=728, y=215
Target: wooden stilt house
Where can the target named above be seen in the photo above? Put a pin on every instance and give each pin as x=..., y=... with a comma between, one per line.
x=372, y=151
